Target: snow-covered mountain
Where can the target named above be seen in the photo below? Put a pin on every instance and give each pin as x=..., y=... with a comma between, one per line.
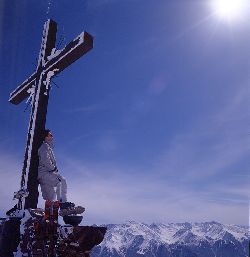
x=208, y=239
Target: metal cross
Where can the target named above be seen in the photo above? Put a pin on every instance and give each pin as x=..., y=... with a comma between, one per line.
x=51, y=62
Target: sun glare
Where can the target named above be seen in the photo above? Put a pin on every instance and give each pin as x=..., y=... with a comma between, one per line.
x=230, y=9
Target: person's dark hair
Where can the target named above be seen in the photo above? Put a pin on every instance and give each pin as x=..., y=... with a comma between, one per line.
x=45, y=133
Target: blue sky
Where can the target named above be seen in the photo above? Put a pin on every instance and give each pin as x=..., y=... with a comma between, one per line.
x=150, y=125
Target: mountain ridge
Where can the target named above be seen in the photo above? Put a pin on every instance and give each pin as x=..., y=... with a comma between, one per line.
x=204, y=239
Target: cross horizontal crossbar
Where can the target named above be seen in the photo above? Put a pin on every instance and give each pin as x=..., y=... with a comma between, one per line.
x=56, y=62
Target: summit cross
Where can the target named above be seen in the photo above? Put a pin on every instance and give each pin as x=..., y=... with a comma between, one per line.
x=50, y=62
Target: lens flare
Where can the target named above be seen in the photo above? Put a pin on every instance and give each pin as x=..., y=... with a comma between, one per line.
x=231, y=9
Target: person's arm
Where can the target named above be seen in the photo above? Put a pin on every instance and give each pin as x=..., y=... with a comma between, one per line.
x=45, y=159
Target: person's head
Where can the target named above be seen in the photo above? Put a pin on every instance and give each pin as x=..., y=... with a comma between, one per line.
x=48, y=135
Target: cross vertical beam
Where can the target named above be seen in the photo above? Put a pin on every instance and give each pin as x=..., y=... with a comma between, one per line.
x=37, y=117
x=50, y=63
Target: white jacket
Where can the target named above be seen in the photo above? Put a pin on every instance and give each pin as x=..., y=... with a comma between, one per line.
x=47, y=161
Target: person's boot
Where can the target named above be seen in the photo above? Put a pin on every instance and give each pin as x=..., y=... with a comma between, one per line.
x=69, y=208
x=66, y=205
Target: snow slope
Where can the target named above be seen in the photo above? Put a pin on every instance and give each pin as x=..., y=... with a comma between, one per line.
x=208, y=239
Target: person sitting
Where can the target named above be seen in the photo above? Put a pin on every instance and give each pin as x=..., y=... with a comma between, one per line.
x=50, y=178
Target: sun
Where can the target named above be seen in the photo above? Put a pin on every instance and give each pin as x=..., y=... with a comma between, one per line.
x=230, y=9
